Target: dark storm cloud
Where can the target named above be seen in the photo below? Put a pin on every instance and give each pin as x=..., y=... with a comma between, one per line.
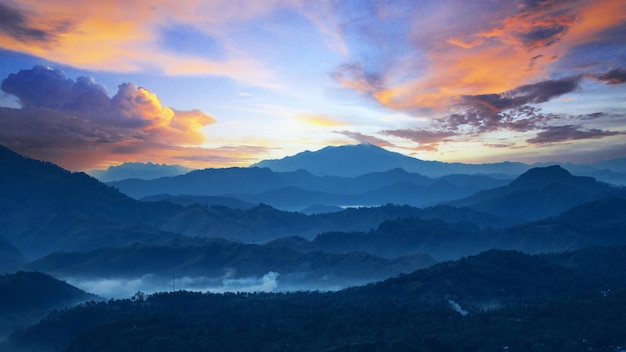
x=536, y=93
x=613, y=77
x=554, y=134
x=512, y=110
x=15, y=24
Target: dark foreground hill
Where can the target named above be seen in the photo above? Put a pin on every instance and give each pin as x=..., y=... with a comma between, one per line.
x=10, y=257
x=27, y=292
x=490, y=280
x=26, y=297
x=44, y=207
x=541, y=307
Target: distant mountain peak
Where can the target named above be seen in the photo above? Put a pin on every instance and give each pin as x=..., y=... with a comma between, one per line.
x=345, y=160
x=539, y=177
x=144, y=171
x=358, y=159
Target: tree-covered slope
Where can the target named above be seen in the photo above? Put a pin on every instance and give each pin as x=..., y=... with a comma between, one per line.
x=543, y=307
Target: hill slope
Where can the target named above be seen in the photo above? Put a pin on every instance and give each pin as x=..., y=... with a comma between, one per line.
x=24, y=292
x=545, y=306
x=41, y=203
x=539, y=193
x=489, y=280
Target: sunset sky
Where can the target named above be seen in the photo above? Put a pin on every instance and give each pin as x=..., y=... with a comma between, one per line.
x=214, y=83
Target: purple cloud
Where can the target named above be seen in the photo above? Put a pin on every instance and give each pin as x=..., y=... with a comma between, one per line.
x=536, y=93
x=14, y=23
x=554, y=134
x=613, y=77
x=44, y=87
x=65, y=121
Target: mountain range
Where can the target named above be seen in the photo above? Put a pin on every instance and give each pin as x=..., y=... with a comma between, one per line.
x=143, y=171
x=47, y=209
x=355, y=160
x=298, y=190
x=491, y=257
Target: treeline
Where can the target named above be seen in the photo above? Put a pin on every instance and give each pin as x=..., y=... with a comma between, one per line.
x=497, y=300
x=314, y=321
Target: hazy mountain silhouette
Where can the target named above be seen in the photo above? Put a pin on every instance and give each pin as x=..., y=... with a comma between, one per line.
x=608, y=211
x=539, y=193
x=459, y=236
x=206, y=182
x=321, y=209
x=187, y=200
x=355, y=160
x=217, y=260
x=400, y=237
x=264, y=223
x=45, y=209
x=143, y=171
x=300, y=189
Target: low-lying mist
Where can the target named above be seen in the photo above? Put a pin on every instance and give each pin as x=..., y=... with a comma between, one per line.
x=119, y=288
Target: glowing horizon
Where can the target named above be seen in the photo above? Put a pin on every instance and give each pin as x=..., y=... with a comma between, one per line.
x=229, y=83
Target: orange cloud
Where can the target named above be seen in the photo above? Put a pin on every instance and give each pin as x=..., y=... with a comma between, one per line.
x=497, y=56
x=321, y=120
x=124, y=36
x=73, y=123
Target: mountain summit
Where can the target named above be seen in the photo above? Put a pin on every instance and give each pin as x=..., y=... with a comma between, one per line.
x=360, y=159
x=346, y=161
x=540, y=177
x=538, y=193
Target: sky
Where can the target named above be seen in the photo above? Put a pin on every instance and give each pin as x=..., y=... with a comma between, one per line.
x=219, y=83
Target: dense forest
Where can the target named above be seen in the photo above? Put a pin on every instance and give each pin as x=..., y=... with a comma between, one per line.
x=497, y=300
x=315, y=321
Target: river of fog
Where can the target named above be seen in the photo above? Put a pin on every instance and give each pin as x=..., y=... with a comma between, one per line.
x=118, y=288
